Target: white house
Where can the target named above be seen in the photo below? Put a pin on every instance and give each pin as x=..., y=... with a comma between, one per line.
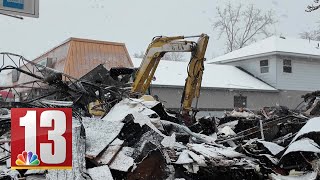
x=223, y=87
x=290, y=65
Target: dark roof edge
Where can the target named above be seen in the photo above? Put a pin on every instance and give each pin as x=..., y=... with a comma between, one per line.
x=79, y=40
x=216, y=88
x=95, y=41
x=245, y=71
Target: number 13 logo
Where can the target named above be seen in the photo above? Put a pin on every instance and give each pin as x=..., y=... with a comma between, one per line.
x=41, y=138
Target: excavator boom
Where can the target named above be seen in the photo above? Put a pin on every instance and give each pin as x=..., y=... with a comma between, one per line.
x=156, y=50
x=195, y=72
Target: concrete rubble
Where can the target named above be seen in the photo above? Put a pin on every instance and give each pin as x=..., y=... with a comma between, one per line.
x=136, y=138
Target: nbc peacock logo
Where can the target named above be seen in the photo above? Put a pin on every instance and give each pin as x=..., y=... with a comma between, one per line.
x=27, y=159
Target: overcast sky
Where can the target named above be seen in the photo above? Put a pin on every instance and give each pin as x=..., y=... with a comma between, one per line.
x=135, y=22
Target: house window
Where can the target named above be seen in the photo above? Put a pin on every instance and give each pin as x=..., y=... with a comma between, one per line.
x=240, y=101
x=287, y=66
x=264, y=66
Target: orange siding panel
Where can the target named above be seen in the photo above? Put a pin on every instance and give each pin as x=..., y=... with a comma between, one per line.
x=76, y=57
x=91, y=54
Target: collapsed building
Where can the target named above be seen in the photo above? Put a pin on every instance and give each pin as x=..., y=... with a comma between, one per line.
x=139, y=139
x=75, y=57
x=125, y=137
x=133, y=134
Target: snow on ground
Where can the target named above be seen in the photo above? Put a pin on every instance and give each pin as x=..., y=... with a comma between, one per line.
x=173, y=73
x=272, y=44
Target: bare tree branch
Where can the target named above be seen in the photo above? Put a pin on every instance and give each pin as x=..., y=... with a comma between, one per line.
x=171, y=56
x=313, y=7
x=174, y=56
x=242, y=25
x=311, y=35
x=139, y=54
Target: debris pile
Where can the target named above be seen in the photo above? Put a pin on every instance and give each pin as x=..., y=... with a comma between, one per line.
x=134, y=142
x=138, y=139
x=313, y=103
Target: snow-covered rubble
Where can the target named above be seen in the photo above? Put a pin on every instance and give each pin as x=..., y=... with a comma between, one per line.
x=135, y=141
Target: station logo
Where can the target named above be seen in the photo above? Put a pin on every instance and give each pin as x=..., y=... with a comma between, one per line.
x=28, y=159
x=16, y=4
x=41, y=138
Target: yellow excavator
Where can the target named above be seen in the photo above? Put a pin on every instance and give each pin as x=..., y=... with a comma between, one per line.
x=156, y=50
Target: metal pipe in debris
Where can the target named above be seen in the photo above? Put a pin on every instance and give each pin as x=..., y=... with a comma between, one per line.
x=261, y=129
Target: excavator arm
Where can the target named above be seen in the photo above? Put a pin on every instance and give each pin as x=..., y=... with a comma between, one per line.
x=156, y=50
x=194, y=79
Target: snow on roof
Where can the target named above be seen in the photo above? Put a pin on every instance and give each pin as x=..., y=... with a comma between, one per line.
x=173, y=73
x=273, y=44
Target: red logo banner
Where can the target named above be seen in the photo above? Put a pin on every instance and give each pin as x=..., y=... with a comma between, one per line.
x=41, y=138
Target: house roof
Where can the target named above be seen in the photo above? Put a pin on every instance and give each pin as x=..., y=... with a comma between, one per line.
x=80, y=40
x=273, y=45
x=173, y=73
